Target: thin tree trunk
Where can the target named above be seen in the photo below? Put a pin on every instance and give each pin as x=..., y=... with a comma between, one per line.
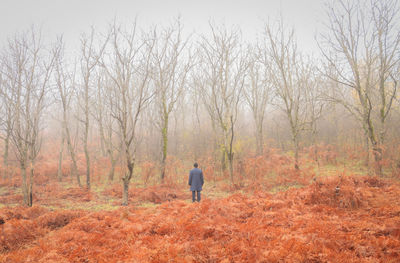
x=100, y=121
x=102, y=138
x=24, y=183
x=376, y=149
x=223, y=159
x=125, y=194
x=126, y=180
x=295, y=140
x=5, y=155
x=383, y=111
x=164, y=134
x=112, y=169
x=382, y=136
x=296, y=151
x=85, y=147
x=231, y=168
x=230, y=152
x=259, y=139
x=30, y=190
x=60, y=157
x=366, y=145
x=377, y=152
x=74, y=168
x=224, y=151
x=87, y=168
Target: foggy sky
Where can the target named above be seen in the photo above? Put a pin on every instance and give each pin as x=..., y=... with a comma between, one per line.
x=72, y=17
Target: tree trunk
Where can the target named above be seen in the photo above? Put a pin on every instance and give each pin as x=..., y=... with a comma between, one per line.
x=230, y=152
x=74, y=168
x=87, y=167
x=112, y=170
x=366, y=145
x=5, y=155
x=382, y=137
x=25, y=191
x=164, y=134
x=376, y=149
x=377, y=152
x=102, y=138
x=223, y=159
x=231, y=169
x=230, y=163
x=259, y=140
x=30, y=192
x=60, y=157
x=126, y=179
x=295, y=140
x=382, y=132
x=30, y=195
x=296, y=151
x=384, y=104
x=85, y=147
x=125, y=193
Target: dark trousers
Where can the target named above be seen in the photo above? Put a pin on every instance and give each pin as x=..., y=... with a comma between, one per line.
x=194, y=196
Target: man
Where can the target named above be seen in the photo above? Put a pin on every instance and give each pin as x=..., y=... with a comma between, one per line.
x=196, y=182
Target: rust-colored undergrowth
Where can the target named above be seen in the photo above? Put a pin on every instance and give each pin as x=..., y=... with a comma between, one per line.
x=335, y=219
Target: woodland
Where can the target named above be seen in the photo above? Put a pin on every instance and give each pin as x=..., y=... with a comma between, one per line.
x=300, y=153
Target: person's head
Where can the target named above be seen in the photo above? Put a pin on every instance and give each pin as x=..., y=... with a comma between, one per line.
x=196, y=165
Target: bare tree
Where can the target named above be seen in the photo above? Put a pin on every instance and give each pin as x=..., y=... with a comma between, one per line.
x=315, y=103
x=195, y=99
x=223, y=64
x=128, y=65
x=5, y=120
x=98, y=103
x=386, y=20
x=104, y=108
x=66, y=87
x=171, y=65
x=257, y=92
x=288, y=68
x=59, y=56
x=90, y=56
x=27, y=70
x=361, y=52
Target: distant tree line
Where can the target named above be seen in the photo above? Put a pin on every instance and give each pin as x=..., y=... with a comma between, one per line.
x=147, y=93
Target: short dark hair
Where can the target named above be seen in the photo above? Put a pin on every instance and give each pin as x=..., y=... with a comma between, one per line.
x=196, y=165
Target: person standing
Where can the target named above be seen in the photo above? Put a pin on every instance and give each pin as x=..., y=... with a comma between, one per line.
x=196, y=182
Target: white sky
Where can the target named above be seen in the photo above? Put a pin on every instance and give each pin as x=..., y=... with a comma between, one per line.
x=72, y=17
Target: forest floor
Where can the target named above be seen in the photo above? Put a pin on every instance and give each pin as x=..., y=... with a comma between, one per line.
x=337, y=217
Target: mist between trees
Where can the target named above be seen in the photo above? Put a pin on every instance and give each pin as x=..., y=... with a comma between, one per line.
x=131, y=95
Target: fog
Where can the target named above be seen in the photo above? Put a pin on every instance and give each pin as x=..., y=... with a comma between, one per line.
x=71, y=18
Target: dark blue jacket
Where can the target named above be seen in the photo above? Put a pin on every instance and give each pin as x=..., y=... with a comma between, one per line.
x=196, y=179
